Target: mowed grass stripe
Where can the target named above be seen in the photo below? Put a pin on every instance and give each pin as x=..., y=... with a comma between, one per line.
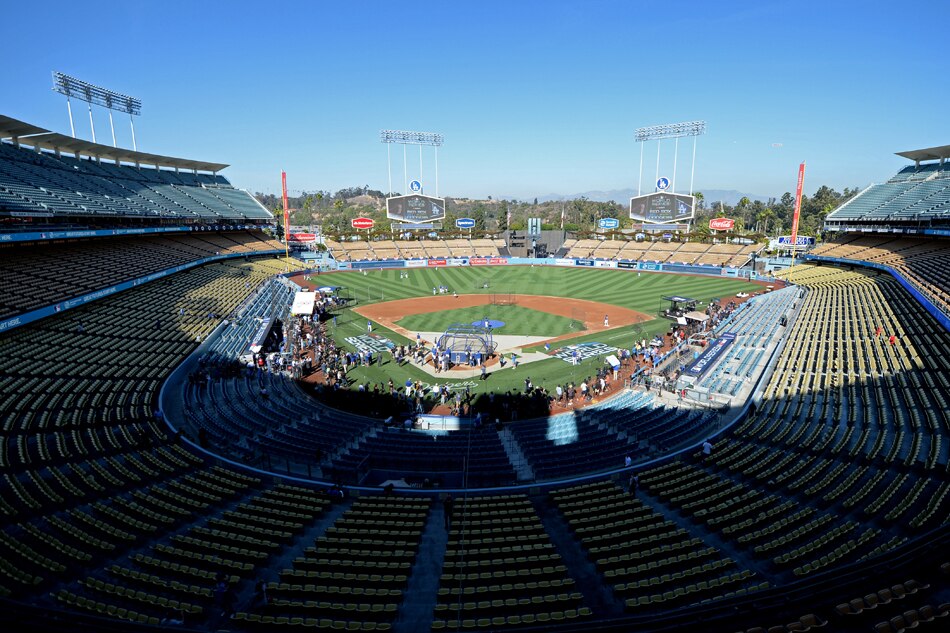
x=624, y=288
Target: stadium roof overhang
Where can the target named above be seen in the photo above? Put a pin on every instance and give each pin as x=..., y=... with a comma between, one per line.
x=941, y=152
x=26, y=134
x=12, y=128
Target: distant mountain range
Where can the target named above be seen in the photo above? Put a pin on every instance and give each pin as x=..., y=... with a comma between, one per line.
x=622, y=196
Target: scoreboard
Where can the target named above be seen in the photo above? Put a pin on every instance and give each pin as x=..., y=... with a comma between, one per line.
x=662, y=207
x=415, y=208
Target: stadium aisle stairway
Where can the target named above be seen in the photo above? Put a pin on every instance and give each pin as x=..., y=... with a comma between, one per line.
x=355, y=572
x=650, y=561
x=501, y=569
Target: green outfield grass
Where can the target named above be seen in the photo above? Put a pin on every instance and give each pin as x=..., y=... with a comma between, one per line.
x=518, y=320
x=616, y=287
x=622, y=288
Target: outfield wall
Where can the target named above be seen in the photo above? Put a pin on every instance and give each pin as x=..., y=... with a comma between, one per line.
x=653, y=267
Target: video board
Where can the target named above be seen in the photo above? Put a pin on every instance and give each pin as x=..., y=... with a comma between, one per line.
x=415, y=208
x=662, y=207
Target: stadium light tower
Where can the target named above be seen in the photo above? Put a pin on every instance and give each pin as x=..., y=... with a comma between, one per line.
x=92, y=94
x=670, y=130
x=404, y=138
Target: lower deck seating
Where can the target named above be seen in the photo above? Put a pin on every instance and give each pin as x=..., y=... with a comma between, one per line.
x=923, y=262
x=649, y=561
x=501, y=570
x=358, y=570
x=42, y=274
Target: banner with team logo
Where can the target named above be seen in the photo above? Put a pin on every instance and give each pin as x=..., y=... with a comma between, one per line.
x=370, y=343
x=582, y=351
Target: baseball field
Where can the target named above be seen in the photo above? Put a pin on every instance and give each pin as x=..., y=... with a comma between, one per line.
x=566, y=304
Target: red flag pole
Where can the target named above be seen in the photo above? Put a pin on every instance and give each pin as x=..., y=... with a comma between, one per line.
x=283, y=184
x=798, y=208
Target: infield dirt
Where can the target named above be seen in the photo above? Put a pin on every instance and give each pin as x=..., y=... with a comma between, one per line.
x=593, y=312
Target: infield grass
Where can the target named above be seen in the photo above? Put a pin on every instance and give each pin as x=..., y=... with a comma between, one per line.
x=518, y=320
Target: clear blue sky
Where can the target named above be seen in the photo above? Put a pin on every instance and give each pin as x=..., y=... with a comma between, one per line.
x=532, y=97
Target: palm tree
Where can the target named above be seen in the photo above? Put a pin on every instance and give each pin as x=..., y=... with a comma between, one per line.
x=700, y=200
x=768, y=215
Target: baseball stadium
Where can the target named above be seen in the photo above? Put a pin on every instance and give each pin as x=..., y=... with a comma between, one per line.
x=216, y=421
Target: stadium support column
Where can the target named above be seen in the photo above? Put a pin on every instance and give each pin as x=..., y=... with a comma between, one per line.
x=405, y=171
x=389, y=167
x=420, y=167
x=92, y=124
x=657, y=177
x=676, y=151
x=437, y=177
x=112, y=127
x=692, y=170
x=640, y=179
x=69, y=109
x=132, y=123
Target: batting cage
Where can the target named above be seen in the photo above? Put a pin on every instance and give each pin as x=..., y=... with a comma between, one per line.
x=504, y=299
x=466, y=343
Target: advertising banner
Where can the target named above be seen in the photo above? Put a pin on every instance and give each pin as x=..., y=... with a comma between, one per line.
x=722, y=224
x=710, y=355
x=801, y=240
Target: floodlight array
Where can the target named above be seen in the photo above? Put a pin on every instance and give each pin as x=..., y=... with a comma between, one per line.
x=411, y=138
x=671, y=130
x=90, y=93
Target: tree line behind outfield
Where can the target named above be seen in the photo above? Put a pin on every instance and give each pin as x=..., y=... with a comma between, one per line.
x=333, y=211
